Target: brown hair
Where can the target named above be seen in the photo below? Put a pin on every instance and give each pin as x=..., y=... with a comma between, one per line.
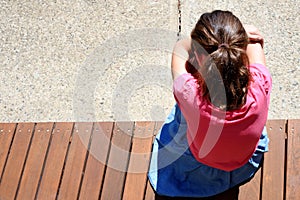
x=224, y=38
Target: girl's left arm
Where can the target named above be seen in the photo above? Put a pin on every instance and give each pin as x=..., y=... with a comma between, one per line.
x=255, y=50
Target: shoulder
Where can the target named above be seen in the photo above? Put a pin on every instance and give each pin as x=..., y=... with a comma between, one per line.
x=262, y=77
x=261, y=74
x=185, y=85
x=186, y=93
x=259, y=69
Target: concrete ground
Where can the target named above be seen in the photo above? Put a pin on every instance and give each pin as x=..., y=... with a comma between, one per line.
x=98, y=60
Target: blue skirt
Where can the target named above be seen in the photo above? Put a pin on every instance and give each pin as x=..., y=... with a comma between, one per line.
x=175, y=172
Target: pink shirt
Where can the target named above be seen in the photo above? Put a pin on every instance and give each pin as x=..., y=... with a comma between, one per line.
x=224, y=139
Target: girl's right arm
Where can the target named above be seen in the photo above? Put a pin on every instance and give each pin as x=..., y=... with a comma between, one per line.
x=179, y=57
x=255, y=50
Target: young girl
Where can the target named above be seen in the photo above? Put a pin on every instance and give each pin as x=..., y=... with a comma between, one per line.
x=214, y=139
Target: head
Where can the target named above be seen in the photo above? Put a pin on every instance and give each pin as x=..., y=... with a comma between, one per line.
x=225, y=40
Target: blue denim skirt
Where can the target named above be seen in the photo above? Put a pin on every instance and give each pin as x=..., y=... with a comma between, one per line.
x=175, y=172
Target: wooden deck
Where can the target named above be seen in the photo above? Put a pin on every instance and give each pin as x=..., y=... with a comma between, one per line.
x=91, y=160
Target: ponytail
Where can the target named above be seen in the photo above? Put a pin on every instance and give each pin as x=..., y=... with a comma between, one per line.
x=222, y=35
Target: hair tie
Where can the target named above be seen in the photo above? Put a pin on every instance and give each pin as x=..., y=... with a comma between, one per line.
x=223, y=45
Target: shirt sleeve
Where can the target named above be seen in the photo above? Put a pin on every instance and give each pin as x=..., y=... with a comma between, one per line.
x=262, y=75
x=185, y=89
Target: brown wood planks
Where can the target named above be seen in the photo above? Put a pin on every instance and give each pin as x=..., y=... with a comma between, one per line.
x=149, y=192
x=251, y=190
x=35, y=160
x=274, y=164
x=136, y=178
x=7, y=131
x=23, y=165
x=15, y=163
x=75, y=161
x=55, y=160
x=94, y=172
x=158, y=126
x=293, y=160
x=117, y=161
x=149, y=195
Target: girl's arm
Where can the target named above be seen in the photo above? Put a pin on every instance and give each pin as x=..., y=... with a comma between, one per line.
x=255, y=50
x=179, y=57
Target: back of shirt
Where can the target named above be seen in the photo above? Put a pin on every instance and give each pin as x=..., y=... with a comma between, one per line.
x=224, y=139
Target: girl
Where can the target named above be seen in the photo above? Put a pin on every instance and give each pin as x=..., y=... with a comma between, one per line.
x=214, y=139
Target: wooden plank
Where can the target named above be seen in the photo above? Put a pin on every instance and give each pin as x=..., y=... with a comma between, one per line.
x=251, y=190
x=75, y=161
x=117, y=161
x=94, y=172
x=55, y=160
x=6, y=134
x=150, y=195
x=35, y=161
x=16, y=160
x=158, y=126
x=274, y=164
x=293, y=160
x=136, y=178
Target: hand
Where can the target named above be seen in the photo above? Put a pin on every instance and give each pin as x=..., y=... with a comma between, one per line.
x=254, y=35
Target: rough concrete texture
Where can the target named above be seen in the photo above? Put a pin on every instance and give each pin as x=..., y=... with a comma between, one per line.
x=65, y=60
x=278, y=21
x=98, y=60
